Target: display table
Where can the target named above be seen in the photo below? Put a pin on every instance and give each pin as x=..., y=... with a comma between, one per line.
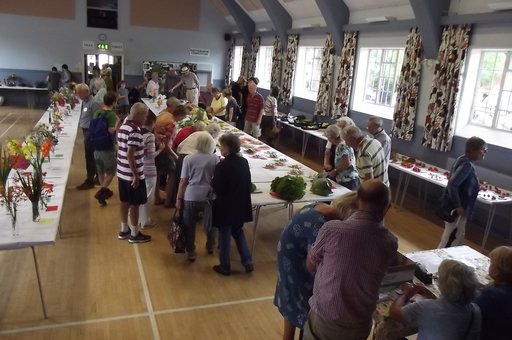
x=386, y=328
x=150, y=103
x=32, y=234
x=305, y=135
x=438, y=176
x=30, y=92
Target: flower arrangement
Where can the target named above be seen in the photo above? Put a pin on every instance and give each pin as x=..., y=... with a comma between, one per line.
x=65, y=96
x=10, y=193
x=34, y=150
x=160, y=99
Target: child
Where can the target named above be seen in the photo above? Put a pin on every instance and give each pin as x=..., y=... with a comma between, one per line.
x=123, y=102
x=151, y=150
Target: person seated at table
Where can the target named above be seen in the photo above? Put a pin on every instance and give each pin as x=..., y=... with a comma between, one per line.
x=294, y=282
x=495, y=301
x=452, y=315
x=462, y=190
x=344, y=171
x=330, y=152
x=193, y=192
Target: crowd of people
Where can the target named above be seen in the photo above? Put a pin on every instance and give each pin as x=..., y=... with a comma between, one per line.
x=331, y=257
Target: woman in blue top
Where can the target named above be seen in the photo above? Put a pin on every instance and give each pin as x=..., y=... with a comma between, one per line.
x=344, y=170
x=495, y=301
x=463, y=190
x=294, y=282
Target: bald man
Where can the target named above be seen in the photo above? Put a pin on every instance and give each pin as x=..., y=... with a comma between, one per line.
x=350, y=259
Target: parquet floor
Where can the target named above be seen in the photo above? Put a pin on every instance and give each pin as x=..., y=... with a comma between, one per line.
x=97, y=287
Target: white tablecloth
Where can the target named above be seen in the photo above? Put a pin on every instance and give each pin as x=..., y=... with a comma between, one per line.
x=57, y=171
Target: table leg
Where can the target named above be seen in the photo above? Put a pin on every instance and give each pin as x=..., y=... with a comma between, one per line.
x=255, y=227
x=39, y=283
x=397, y=195
x=488, y=226
x=305, y=138
x=404, y=190
x=290, y=210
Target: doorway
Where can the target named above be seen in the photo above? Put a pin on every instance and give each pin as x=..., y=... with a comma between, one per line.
x=115, y=62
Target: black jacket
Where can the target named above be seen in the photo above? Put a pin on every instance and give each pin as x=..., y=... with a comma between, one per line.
x=232, y=188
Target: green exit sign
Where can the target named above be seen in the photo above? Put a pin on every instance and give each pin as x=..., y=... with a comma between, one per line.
x=102, y=46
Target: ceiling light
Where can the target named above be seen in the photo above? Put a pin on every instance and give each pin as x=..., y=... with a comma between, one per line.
x=379, y=19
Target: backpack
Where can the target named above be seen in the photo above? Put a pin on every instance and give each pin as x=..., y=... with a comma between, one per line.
x=99, y=136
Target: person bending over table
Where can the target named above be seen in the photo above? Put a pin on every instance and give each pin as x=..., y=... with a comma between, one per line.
x=294, y=282
x=232, y=205
x=344, y=171
x=462, y=190
x=330, y=152
x=450, y=317
x=495, y=301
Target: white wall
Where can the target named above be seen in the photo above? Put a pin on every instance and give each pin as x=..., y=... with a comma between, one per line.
x=36, y=43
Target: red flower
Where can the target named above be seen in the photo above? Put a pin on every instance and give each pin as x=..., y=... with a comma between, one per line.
x=19, y=162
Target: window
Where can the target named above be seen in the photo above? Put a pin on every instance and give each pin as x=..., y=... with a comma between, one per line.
x=307, y=75
x=237, y=62
x=377, y=75
x=264, y=66
x=492, y=100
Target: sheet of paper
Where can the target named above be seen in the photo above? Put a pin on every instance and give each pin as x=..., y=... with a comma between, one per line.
x=430, y=260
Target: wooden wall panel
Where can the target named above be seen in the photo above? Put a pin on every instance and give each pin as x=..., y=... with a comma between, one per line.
x=173, y=14
x=62, y=9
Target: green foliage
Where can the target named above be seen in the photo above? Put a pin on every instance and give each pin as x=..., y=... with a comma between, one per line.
x=321, y=186
x=289, y=188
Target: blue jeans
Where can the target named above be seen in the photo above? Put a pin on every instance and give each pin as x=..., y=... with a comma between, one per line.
x=225, y=233
x=191, y=210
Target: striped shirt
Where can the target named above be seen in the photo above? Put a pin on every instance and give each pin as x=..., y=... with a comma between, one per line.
x=385, y=140
x=352, y=257
x=254, y=107
x=371, y=160
x=129, y=134
x=149, y=153
x=270, y=108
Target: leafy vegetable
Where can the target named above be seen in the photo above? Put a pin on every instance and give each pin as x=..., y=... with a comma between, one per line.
x=253, y=187
x=289, y=188
x=321, y=186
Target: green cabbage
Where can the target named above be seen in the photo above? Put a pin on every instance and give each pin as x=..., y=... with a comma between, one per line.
x=289, y=188
x=321, y=186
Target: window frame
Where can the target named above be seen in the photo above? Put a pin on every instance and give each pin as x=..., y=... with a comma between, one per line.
x=236, y=71
x=267, y=73
x=305, y=92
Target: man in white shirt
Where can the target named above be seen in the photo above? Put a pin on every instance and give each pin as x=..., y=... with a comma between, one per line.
x=153, y=86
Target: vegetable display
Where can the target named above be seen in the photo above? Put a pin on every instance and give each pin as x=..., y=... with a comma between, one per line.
x=289, y=188
x=321, y=186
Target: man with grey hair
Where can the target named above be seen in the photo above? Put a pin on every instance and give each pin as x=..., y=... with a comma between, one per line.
x=329, y=152
x=370, y=160
x=374, y=125
x=191, y=83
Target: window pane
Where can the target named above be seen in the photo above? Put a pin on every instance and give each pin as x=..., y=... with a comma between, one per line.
x=381, y=78
x=505, y=121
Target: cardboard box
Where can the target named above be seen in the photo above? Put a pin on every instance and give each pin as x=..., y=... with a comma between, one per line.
x=400, y=271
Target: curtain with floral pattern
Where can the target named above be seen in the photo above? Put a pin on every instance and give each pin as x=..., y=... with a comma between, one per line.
x=324, y=88
x=277, y=62
x=289, y=67
x=408, y=86
x=255, y=49
x=439, y=123
x=246, y=61
x=345, y=75
x=230, y=54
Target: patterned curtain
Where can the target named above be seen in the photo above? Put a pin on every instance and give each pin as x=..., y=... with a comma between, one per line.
x=255, y=48
x=408, y=85
x=346, y=75
x=439, y=123
x=229, y=61
x=246, y=57
x=277, y=62
x=289, y=67
x=324, y=88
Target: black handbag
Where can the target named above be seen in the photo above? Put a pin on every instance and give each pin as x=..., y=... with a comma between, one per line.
x=445, y=209
x=176, y=233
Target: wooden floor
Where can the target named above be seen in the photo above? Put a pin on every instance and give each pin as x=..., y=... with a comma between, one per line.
x=97, y=287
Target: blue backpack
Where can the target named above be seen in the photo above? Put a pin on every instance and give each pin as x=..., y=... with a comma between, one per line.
x=99, y=137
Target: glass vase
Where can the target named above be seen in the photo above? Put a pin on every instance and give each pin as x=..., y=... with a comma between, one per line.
x=13, y=214
x=35, y=211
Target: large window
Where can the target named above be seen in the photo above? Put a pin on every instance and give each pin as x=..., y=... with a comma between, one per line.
x=264, y=66
x=492, y=100
x=377, y=75
x=307, y=75
x=237, y=62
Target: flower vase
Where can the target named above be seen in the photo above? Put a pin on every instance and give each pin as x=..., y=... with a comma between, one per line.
x=12, y=209
x=35, y=211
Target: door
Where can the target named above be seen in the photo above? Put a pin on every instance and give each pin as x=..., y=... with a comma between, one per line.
x=115, y=62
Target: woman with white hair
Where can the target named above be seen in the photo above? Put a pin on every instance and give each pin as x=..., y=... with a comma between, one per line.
x=329, y=152
x=101, y=90
x=343, y=171
x=450, y=317
x=495, y=301
x=196, y=176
